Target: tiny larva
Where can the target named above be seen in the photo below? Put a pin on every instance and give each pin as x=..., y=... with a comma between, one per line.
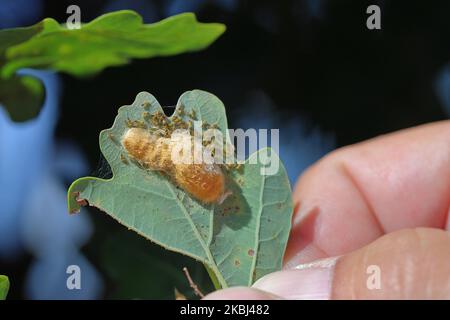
x=180, y=110
x=123, y=159
x=146, y=116
x=112, y=138
x=192, y=114
x=146, y=105
x=136, y=124
x=205, y=182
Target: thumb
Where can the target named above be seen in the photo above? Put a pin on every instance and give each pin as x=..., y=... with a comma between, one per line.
x=407, y=264
x=413, y=264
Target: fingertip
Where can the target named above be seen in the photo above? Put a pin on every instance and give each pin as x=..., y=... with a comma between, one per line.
x=356, y=194
x=311, y=281
x=406, y=264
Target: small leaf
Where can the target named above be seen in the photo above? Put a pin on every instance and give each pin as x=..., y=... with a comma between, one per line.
x=22, y=97
x=4, y=287
x=110, y=40
x=239, y=241
x=11, y=37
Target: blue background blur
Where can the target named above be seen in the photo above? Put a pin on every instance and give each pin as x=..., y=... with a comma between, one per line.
x=310, y=68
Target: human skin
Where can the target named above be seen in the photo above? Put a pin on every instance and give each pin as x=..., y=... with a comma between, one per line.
x=384, y=202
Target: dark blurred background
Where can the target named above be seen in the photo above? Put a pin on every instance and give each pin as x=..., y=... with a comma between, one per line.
x=310, y=68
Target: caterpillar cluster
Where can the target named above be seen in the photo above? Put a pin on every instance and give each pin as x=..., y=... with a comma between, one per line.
x=203, y=181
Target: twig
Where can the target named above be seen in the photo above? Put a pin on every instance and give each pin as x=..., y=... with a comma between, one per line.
x=192, y=283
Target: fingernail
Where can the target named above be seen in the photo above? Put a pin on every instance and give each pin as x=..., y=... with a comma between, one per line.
x=307, y=253
x=311, y=281
x=241, y=293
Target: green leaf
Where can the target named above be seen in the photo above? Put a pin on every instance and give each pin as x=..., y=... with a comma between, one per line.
x=4, y=287
x=110, y=40
x=239, y=240
x=22, y=97
x=11, y=37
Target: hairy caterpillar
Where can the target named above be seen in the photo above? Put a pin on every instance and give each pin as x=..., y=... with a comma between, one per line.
x=205, y=182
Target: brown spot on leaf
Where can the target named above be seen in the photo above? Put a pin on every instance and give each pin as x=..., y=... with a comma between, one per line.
x=251, y=252
x=237, y=263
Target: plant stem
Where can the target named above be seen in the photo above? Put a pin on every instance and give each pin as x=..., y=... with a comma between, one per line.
x=213, y=277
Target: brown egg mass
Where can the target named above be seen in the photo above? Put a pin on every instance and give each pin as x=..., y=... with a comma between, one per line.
x=203, y=181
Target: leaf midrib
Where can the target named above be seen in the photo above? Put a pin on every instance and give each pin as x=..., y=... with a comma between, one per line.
x=212, y=264
x=258, y=228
